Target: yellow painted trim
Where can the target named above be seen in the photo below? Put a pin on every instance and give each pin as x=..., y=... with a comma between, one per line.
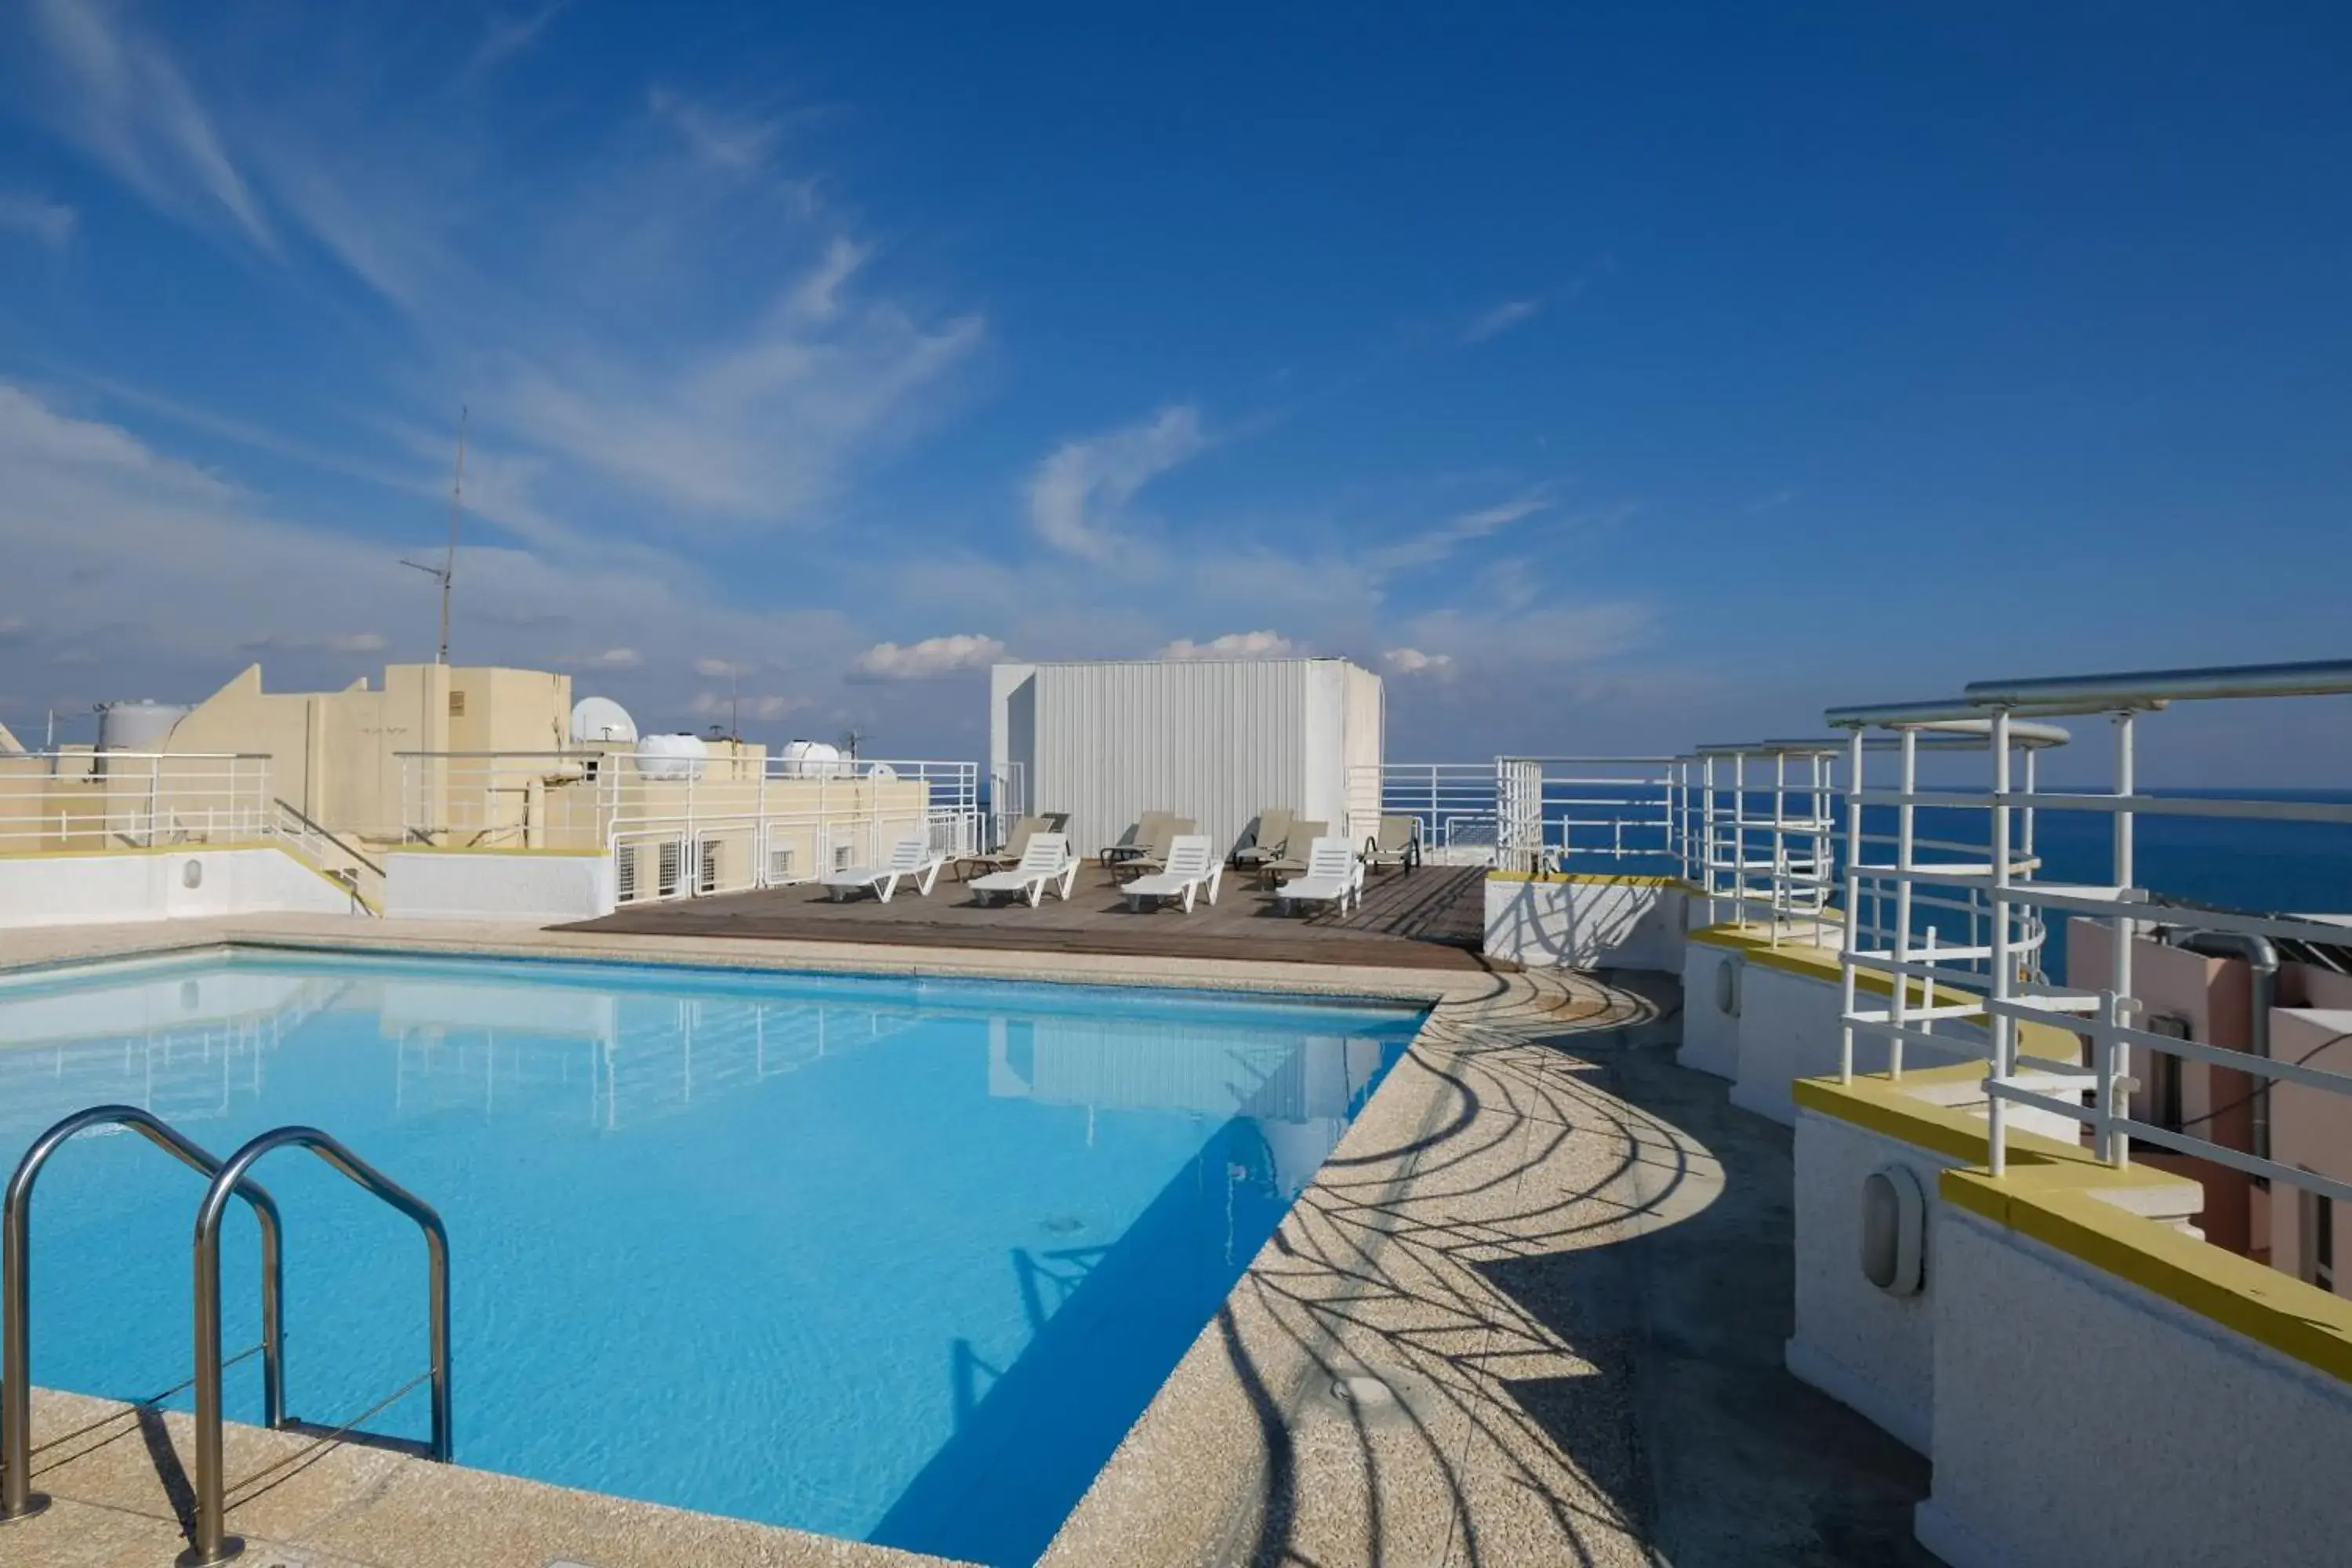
x=2258, y=1301
x=1590, y=878
x=127, y=850
x=2046, y=1040
x=492, y=849
x=2050, y=1192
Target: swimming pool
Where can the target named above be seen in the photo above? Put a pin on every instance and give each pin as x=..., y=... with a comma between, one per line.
x=893, y=1259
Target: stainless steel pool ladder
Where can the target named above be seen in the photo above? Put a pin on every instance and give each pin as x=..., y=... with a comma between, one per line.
x=212, y=1543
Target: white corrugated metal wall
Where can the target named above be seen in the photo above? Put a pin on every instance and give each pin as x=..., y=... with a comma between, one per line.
x=1216, y=742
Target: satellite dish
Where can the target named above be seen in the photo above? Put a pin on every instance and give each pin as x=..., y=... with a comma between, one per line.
x=600, y=718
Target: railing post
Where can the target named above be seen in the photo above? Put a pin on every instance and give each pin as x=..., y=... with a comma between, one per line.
x=1904, y=853
x=1852, y=943
x=2125, y=929
x=2004, y=1027
x=2111, y=1148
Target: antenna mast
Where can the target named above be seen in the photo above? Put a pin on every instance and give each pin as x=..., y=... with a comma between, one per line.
x=457, y=500
x=446, y=572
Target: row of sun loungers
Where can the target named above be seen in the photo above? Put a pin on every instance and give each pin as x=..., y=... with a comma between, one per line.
x=1186, y=869
x=1159, y=860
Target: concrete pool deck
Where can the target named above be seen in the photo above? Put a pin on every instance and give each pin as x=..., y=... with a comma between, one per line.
x=1531, y=1311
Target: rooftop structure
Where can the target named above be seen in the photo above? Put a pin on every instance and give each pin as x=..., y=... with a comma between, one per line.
x=2005, y=1114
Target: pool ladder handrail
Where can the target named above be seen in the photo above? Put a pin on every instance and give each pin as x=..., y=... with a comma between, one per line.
x=18, y=1499
x=212, y=1543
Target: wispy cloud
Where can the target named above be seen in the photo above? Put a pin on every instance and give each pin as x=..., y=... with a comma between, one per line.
x=507, y=35
x=737, y=143
x=1495, y=322
x=1433, y=545
x=1234, y=644
x=613, y=659
x=114, y=92
x=929, y=658
x=51, y=223
x=1078, y=494
x=756, y=425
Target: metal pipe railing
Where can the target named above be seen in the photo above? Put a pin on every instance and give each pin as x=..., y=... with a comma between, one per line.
x=212, y=1543
x=17, y=1498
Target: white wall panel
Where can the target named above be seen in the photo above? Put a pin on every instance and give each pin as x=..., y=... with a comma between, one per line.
x=1214, y=741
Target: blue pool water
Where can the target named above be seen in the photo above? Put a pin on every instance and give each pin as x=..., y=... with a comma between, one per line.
x=897, y=1260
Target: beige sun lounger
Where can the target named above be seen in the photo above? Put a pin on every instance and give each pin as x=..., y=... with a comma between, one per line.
x=1292, y=861
x=1398, y=843
x=1151, y=853
x=1269, y=834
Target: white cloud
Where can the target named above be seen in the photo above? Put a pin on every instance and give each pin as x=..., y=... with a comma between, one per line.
x=1500, y=320
x=767, y=708
x=151, y=559
x=1412, y=661
x=720, y=669
x=1233, y=645
x=116, y=94
x=1538, y=635
x=1076, y=494
x=359, y=642
x=613, y=659
x=928, y=659
x=52, y=224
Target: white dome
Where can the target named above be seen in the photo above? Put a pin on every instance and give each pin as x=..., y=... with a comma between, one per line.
x=882, y=771
x=600, y=718
x=811, y=760
x=671, y=757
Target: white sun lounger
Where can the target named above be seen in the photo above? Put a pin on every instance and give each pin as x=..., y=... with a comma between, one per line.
x=911, y=860
x=1334, y=876
x=1045, y=862
x=1192, y=869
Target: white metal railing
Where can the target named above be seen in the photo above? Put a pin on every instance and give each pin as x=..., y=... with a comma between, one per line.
x=1611, y=813
x=96, y=801
x=1457, y=805
x=684, y=826
x=2002, y=987
x=1760, y=844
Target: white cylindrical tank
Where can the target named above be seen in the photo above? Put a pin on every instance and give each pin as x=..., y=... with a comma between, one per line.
x=599, y=720
x=811, y=760
x=141, y=726
x=671, y=758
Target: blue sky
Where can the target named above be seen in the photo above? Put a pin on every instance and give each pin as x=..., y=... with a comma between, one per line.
x=1613, y=378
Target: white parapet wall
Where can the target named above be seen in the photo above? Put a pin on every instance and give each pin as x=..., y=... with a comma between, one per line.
x=2093, y=1383
x=1765, y=1016
x=1866, y=1349
x=112, y=887
x=540, y=886
x=2082, y=1420
x=1578, y=922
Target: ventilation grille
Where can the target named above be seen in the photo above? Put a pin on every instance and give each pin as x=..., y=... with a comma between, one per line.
x=780, y=863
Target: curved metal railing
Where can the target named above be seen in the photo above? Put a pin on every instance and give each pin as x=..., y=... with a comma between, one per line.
x=17, y=1498
x=212, y=1542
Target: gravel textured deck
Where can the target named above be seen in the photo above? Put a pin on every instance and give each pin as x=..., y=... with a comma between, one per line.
x=1531, y=1311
